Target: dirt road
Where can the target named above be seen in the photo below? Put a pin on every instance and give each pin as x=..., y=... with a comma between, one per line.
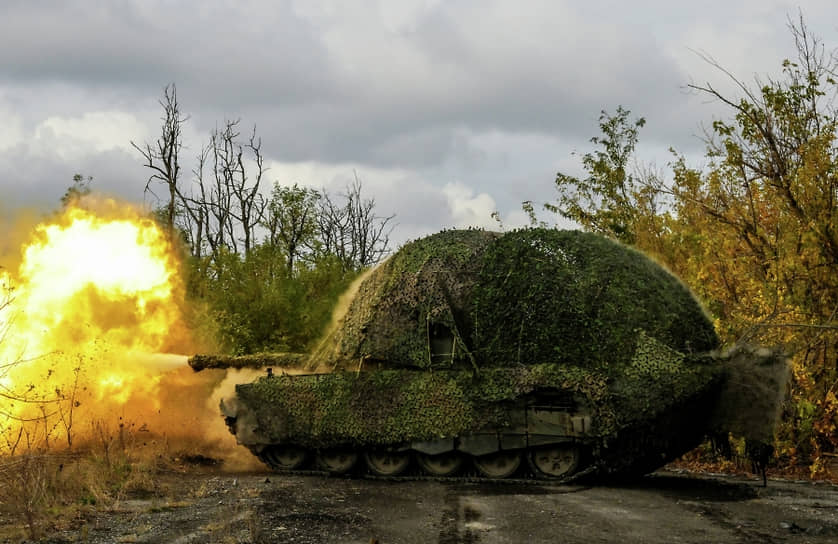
x=665, y=508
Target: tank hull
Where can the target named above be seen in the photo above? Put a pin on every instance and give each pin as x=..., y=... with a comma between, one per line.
x=518, y=411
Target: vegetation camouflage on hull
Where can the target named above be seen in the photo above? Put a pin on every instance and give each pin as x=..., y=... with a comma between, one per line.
x=393, y=407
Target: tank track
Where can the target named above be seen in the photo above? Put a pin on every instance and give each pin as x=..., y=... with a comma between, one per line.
x=526, y=475
x=470, y=478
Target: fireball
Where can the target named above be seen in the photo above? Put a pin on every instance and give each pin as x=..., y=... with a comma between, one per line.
x=94, y=293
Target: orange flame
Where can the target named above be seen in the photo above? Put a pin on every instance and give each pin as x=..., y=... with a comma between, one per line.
x=94, y=293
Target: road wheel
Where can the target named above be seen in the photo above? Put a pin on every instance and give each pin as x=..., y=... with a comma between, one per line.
x=387, y=463
x=501, y=464
x=443, y=464
x=555, y=461
x=284, y=457
x=337, y=460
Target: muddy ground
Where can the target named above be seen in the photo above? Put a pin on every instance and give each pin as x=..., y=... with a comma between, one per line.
x=665, y=507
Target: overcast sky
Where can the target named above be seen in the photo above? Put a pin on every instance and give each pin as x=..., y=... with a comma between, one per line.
x=447, y=110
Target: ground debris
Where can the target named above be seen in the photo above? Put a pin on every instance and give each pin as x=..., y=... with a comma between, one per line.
x=267, y=508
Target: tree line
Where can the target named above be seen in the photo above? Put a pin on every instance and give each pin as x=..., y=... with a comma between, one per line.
x=754, y=233
x=265, y=264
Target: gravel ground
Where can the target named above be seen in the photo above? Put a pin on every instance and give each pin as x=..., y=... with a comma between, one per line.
x=665, y=507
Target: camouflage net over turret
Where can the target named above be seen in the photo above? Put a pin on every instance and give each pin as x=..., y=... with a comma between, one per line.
x=581, y=298
x=428, y=282
x=526, y=297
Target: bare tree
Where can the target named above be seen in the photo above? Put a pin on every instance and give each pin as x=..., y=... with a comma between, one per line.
x=163, y=157
x=197, y=213
x=225, y=206
x=249, y=205
x=221, y=152
x=353, y=231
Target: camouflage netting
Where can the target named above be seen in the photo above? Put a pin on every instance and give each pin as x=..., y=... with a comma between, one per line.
x=657, y=378
x=526, y=297
x=256, y=360
x=427, y=284
x=493, y=317
x=390, y=407
x=751, y=398
x=548, y=295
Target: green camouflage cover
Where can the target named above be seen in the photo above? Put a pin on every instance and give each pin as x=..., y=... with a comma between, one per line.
x=392, y=407
x=525, y=297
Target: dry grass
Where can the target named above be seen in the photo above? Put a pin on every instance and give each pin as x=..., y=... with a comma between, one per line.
x=703, y=460
x=44, y=489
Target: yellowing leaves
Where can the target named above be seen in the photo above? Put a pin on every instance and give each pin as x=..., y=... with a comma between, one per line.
x=755, y=232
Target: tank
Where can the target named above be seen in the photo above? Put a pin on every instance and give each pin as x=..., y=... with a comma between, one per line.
x=534, y=353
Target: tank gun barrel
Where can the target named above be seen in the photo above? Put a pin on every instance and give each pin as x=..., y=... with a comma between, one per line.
x=258, y=360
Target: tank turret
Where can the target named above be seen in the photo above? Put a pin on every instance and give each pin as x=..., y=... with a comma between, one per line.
x=537, y=352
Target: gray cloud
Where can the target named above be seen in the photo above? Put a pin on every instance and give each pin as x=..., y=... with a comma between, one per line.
x=34, y=180
x=232, y=55
x=350, y=95
x=489, y=94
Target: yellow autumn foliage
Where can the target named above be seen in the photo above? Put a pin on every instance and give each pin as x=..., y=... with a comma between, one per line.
x=754, y=233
